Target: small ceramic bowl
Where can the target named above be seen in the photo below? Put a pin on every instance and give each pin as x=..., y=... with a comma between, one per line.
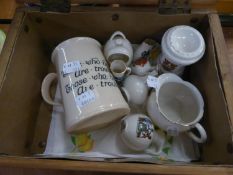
x=137, y=131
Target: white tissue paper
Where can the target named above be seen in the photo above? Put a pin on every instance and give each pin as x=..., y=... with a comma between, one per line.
x=105, y=144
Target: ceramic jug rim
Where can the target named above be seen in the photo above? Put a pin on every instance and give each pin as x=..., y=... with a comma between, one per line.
x=199, y=98
x=71, y=40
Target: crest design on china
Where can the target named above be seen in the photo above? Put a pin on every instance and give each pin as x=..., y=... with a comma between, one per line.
x=168, y=66
x=144, y=128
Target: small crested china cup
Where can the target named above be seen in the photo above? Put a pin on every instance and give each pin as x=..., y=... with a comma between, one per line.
x=177, y=106
x=135, y=89
x=119, y=69
x=118, y=48
x=137, y=132
x=143, y=49
x=141, y=67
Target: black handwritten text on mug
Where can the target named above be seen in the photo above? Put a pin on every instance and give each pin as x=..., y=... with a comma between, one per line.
x=76, y=84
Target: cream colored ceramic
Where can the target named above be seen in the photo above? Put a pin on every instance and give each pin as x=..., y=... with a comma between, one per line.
x=90, y=94
x=178, y=71
x=181, y=46
x=135, y=89
x=137, y=132
x=118, y=48
x=143, y=49
x=141, y=67
x=119, y=69
x=177, y=106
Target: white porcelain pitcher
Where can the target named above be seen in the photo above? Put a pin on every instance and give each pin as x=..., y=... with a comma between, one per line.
x=177, y=106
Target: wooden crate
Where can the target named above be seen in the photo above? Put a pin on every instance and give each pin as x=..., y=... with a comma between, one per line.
x=25, y=60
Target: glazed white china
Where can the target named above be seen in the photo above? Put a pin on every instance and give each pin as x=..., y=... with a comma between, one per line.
x=177, y=106
x=90, y=95
x=119, y=69
x=135, y=89
x=154, y=54
x=181, y=46
x=143, y=49
x=138, y=133
x=118, y=48
x=178, y=71
x=141, y=67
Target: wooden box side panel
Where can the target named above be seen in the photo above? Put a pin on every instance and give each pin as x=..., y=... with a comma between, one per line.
x=20, y=99
x=204, y=75
x=224, y=65
x=113, y=168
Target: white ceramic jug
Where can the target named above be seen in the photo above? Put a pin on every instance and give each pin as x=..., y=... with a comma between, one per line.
x=177, y=106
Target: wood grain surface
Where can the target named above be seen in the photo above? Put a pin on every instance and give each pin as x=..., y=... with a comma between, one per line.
x=7, y=10
x=16, y=165
x=124, y=2
x=223, y=6
x=228, y=34
x=111, y=168
x=223, y=62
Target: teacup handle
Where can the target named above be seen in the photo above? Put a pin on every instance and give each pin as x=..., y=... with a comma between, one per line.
x=201, y=130
x=117, y=33
x=128, y=71
x=45, y=88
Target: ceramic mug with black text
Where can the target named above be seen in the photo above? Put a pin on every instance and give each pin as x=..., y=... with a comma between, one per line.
x=90, y=95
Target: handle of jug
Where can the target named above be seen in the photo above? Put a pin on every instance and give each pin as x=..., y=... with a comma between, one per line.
x=202, y=132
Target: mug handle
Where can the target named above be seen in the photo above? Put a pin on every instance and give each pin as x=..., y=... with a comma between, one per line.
x=45, y=87
x=128, y=71
x=117, y=33
x=201, y=130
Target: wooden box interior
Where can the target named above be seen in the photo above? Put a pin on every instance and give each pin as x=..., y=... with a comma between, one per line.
x=25, y=117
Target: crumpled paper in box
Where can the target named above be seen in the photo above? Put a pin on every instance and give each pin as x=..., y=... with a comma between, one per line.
x=106, y=145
